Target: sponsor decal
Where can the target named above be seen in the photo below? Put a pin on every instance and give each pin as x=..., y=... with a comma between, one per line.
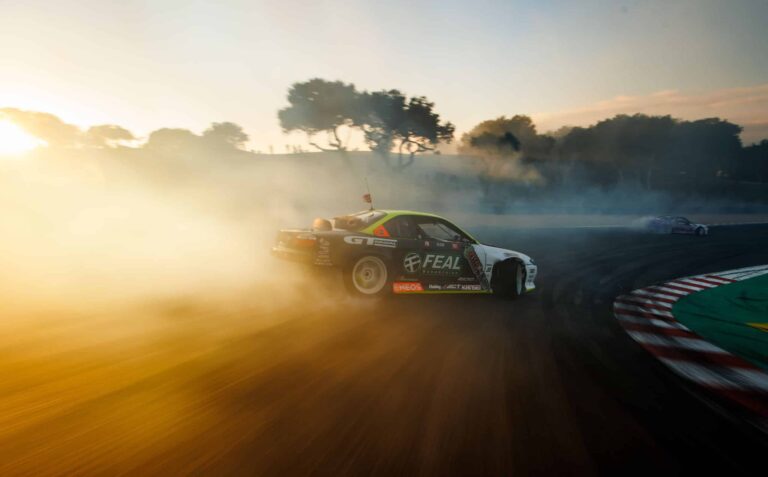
x=455, y=287
x=531, y=274
x=412, y=262
x=433, y=264
x=407, y=287
x=441, y=264
x=373, y=241
x=456, y=246
x=323, y=255
x=477, y=266
x=466, y=279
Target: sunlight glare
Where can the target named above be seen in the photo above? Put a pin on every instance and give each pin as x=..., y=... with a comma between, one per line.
x=14, y=140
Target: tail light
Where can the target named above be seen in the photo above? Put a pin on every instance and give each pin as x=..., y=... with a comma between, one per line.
x=305, y=240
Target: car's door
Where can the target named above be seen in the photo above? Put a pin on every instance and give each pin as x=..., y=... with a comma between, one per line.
x=681, y=225
x=406, y=257
x=444, y=256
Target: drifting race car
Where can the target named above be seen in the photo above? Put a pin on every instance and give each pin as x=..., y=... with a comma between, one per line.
x=397, y=251
x=666, y=224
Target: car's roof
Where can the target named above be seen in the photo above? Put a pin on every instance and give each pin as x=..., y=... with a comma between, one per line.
x=392, y=213
x=408, y=212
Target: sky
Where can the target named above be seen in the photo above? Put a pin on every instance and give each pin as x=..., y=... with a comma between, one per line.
x=168, y=63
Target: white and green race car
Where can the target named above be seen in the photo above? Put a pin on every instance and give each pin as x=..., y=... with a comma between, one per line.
x=400, y=251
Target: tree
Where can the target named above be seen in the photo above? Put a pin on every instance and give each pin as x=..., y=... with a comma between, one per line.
x=45, y=126
x=317, y=106
x=706, y=148
x=623, y=147
x=641, y=147
x=225, y=135
x=106, y=135
x=504, y=150
x=753, y=163
x=422, y=130
x=380, y=115
x=492, y=144
x=389, y=120
x=172, y=140
x=531, y=144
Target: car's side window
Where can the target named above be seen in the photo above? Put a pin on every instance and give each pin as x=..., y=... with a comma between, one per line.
x=401, y=227
x=440, y=230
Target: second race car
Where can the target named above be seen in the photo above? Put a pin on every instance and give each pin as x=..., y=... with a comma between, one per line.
x=399, y=251
x=665, y=224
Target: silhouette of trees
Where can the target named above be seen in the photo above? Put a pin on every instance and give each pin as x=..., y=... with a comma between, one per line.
x=45, y=126
x=421, y=131
x=106, y=135
x=318, y=106
x=506, y=144
x=753, y=163
x=640, y=147
x=655, y=152
x=225, y=135
x=380, y=115
x=172, y=140
x=388, y=119
x=531, y=144
x=219, y=137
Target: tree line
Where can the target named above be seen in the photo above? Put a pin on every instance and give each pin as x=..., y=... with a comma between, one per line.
x=655, y=152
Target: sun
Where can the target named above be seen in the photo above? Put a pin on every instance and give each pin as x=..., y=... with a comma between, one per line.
x=14, y=140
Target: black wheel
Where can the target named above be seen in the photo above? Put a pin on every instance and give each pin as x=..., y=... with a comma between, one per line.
x=368, y=276
x=699, y=231
x=508, y=279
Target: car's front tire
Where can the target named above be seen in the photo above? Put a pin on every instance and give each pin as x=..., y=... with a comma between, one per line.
x=700, y=231
x=368, y=276
x=508, y=279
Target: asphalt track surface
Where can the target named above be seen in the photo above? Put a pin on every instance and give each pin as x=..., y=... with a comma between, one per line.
x=439, y=385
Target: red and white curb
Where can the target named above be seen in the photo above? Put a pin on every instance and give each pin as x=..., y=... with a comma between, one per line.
x=646, y=315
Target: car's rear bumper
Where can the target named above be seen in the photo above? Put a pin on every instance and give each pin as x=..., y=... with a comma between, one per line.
x=284, y=253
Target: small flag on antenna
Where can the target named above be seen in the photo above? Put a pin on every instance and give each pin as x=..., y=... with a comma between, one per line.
x=367, y=198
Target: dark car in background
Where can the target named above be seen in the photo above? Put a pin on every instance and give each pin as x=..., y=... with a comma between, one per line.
x=668, y=224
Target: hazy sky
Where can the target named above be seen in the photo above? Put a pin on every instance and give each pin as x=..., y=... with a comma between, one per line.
x=169, y=63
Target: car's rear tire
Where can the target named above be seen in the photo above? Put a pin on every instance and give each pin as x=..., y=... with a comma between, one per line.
x=508, y=279
x=368, y=276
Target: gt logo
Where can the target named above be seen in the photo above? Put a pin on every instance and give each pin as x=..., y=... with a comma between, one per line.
x=412, y=262
x=375, y=241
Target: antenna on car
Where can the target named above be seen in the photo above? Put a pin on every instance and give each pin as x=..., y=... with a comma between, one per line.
x=367, y=197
